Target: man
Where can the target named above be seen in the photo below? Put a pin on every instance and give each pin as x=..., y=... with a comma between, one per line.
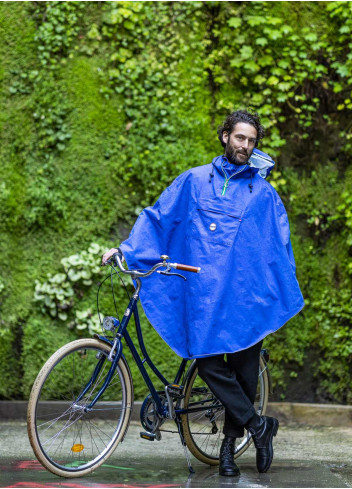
x=226, y=219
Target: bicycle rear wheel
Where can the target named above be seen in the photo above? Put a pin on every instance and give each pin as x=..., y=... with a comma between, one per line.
x=203, y=429
x=66, y=440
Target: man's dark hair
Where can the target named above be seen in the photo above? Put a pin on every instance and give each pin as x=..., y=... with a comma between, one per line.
x=232, y=119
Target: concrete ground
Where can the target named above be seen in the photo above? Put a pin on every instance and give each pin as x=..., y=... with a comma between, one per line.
x=305, y=456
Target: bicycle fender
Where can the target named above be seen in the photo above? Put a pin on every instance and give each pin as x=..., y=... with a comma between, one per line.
x=110, y=343
x=102, y=338
x=265, y=356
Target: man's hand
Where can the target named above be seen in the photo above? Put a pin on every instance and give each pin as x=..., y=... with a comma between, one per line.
x=109, y=254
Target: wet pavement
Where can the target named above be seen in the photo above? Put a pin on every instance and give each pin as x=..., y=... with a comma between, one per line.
x=304, y=457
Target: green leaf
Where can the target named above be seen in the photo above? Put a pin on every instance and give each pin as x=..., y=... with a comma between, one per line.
x=113, y=17
x=259, y=79
x=337, y=87
x=94, y=248
x=81, y=326
x=246, y=52
x=272, y=80
x=82, y=314
x=274, y=20
x=265, y=60
x=234, y=22
x=58, y=278
x=73, y=276
x=261, y=41
x=128, y=25
x=343, y=70
x=345, y=29
x=257, y=98
x=274, y=35
x=114, y=73
x=236, y=62
x=93, y=32
x=251, y=66
x=311, y=37
x=284, y=86
x=255, y=20
x=284, y=63
x=74, y=260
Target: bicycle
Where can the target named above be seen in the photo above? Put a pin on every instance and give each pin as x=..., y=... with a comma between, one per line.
x=90, y=378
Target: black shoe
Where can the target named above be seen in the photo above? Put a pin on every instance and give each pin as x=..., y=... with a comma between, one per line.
x=227, y=465
x=263, y=429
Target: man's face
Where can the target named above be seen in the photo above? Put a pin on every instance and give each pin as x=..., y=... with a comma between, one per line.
x=240, y=143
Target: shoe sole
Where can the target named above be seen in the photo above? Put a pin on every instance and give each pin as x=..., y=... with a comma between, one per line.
x=274, y=433
x=230, y=473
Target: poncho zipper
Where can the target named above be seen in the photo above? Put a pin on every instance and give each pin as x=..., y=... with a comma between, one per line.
x=226, y=183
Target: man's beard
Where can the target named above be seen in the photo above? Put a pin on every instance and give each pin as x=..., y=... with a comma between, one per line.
x=230, y=154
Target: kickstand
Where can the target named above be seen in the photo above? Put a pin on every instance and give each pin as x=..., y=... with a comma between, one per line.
x=190, y=468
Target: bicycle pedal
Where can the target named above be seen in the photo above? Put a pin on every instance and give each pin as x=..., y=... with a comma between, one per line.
x=175, y=390
x=147, y=436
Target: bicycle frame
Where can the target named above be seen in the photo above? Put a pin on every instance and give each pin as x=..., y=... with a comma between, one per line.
x=132, y=309
x=122, y=332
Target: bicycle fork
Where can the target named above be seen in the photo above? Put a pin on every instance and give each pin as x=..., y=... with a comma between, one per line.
x=102, y=360
x=114, y=356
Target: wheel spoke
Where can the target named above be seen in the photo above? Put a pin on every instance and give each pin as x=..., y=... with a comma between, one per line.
x=65, y=438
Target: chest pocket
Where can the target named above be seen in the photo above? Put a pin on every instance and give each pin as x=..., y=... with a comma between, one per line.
x=216, y=223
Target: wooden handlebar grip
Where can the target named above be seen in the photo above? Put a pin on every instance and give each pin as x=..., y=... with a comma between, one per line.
x=187, y=268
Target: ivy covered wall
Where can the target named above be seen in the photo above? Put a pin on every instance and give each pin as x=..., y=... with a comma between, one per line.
x=104, y=103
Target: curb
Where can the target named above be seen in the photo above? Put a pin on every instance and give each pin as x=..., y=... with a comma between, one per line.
x=286, y=412
x=311, y=414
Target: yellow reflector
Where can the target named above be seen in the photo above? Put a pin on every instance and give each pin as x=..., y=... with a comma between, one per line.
x=77, y=447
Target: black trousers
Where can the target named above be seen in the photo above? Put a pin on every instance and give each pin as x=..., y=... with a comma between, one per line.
x=234, y=382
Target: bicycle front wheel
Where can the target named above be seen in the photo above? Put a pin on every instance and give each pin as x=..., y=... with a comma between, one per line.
x=67, y=440
x=202, y=429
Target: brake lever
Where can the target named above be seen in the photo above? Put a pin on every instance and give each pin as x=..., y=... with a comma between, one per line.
x=168, y=273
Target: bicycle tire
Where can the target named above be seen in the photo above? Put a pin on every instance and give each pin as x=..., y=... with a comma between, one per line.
x=202, y=436
x=66, y=440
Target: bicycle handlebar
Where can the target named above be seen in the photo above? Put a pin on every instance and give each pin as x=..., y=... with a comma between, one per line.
x=116, y=257
x=186, y=268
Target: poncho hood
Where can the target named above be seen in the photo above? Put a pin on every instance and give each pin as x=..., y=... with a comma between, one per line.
x=235, y=227
x=258, y=162
x=261, y=162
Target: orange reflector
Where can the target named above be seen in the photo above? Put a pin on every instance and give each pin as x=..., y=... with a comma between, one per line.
x=77, y=447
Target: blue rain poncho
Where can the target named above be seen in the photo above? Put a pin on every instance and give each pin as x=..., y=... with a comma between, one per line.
x=229, y=221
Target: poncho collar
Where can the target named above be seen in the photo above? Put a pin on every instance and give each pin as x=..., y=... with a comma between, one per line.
x=227, y=169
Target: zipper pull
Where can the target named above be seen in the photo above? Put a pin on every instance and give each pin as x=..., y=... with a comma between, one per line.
x=226, y=184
